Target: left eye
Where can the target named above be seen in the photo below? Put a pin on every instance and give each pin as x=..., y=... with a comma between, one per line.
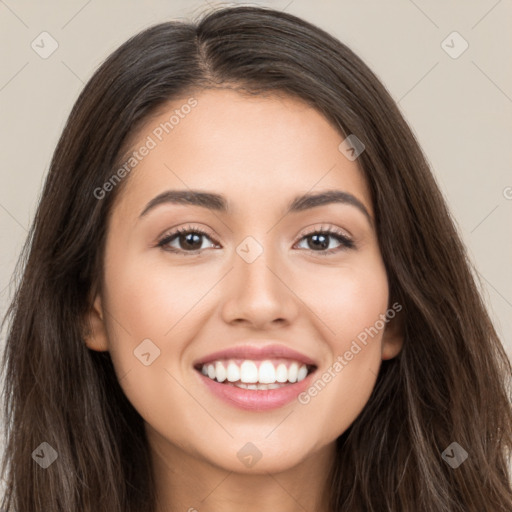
x=319, y=241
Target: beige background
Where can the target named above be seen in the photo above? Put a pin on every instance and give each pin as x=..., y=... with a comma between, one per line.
x=460, y=109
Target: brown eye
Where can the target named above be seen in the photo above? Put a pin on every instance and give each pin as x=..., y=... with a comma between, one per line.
x=320, y=241
x=184, y=240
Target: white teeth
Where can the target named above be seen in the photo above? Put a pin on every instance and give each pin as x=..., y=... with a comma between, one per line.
x=282, y=373
x=246, y=375
x=267, y=373
x=303, y=371
x=292, y=372
x=257, y=386
x=233, y=372
x=248, y=372
x=220, y=372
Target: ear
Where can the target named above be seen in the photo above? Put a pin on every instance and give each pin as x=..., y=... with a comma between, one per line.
x=393, y=337
x=96, y=335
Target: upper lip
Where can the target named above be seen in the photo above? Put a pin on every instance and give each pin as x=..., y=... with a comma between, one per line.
x=257, y=351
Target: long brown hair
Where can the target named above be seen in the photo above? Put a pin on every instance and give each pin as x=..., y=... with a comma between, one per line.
x=449, y=383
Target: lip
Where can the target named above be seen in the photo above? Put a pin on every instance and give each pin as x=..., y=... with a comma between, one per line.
x=253, y=399
x=257, y=352
x=257, y=400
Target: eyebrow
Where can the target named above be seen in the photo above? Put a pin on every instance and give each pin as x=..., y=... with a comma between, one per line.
x=219, y=203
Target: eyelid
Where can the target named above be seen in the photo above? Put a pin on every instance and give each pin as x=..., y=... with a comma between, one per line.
x=189, y=227
x=315, y=228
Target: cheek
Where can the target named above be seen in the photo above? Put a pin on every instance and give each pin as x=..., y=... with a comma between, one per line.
x=346, y=299
x=152, y=309
x=150, y=298
x=348, y=302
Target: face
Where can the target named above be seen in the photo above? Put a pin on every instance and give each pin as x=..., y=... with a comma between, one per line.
x=259, y=289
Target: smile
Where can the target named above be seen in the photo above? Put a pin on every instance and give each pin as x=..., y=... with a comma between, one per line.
x=256, y=385
x=256, y=375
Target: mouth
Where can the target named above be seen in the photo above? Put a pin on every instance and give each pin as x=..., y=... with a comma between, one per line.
x=256, y=378
x=256, y=375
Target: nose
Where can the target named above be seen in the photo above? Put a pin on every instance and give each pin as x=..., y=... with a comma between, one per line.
x=259, y=294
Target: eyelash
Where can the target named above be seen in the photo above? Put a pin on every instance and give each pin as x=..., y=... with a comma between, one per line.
x=345, y=241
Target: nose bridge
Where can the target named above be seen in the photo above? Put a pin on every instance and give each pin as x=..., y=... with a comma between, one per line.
x=256, y=273
x=258, y=293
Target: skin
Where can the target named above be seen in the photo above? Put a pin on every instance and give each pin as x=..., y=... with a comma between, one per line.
x=259, y=152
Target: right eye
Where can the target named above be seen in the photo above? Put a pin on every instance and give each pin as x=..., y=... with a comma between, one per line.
x=188, y=238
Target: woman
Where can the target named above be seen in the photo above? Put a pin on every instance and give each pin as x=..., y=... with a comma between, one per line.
x=326, y=349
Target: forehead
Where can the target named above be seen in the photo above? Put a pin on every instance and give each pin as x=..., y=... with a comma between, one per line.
x=249, y=148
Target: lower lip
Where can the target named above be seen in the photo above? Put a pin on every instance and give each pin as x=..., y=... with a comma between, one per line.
x=257, y=399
